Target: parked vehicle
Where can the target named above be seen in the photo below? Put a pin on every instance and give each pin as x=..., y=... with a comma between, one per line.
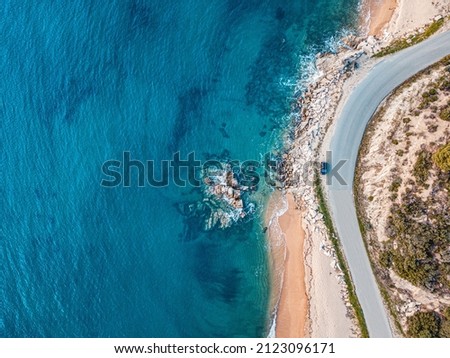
x=324, y=166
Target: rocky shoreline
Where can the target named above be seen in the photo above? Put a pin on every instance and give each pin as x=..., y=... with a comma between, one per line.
x=318, y=107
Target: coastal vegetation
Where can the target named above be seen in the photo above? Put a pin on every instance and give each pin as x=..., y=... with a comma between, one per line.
x=424, y=325
x=445, y=324
x=445, y=113
x=353, y=299
x=421, y=169
x=410, y=250
x=442, y=157
x=402, y=43
x=418, y=236
x=429, y=324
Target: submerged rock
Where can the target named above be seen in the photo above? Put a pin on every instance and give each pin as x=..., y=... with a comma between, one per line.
x=224, y=200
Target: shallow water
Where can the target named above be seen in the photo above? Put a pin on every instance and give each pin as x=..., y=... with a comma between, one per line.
x=85, y=81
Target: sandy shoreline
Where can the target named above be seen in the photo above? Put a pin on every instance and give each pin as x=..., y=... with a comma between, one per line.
x=286, y=240
x=381, y=12
x=293, y=304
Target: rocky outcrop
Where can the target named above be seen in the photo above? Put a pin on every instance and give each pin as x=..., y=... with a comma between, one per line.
x=224, y=195
x=224, y=200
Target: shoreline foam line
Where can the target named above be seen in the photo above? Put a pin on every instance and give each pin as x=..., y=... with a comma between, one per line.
x=277, y=253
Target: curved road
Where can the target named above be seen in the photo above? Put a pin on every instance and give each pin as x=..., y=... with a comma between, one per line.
x=349, y=130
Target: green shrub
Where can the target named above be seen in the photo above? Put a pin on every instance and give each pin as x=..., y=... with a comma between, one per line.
x=423, y=325
x=417, y=241
x=445, y=85
x=432, y=128
x=445, y=329
x=445, y=114
x=385, y=259
x=403, y=43
x=428, y=97
x=446, y=313
x=442, y=157
x=421, y=170
x=395, y=185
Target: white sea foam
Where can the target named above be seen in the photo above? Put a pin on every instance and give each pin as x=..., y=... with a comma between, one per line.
x=273, y=326
x=277, y=241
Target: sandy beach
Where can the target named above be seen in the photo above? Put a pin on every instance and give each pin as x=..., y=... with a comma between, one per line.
x=381, y=12
x=394, y=18
x=286, y=240
x=413, y=14
x=293, y=306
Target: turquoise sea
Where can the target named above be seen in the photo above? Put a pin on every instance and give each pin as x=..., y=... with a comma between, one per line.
x=84, y=81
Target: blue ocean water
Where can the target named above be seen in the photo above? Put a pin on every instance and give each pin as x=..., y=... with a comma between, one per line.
x=84, y=81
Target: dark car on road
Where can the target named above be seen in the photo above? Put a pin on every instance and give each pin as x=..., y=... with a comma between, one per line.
x=324, y=168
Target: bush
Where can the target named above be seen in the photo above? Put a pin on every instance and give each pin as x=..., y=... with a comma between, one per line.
x=442, y=157
x=445, y=85
x=428, y=97
x=395, y=185
x=422, y=167
x=423, y=325
x=445, y=114
x=445, y=329
x=413, y=257
x=432, y=128
x=446, y=313
x=386, y=259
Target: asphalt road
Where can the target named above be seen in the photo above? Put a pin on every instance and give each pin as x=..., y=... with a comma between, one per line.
x=349, y=130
